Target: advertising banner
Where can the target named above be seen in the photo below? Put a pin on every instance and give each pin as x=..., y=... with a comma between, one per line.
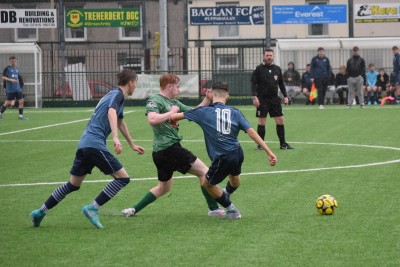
x=377, y=13
x=227, y=15
x=149, y=85
x=309, y=14
x=85, y=18
x=28, y=18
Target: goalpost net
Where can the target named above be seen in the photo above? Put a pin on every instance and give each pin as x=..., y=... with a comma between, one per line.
x=29, y=63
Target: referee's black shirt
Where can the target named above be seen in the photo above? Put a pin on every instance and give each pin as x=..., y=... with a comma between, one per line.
x=265, y=81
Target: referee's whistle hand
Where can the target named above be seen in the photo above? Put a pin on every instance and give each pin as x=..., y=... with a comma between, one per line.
x=286, y=100
x=256, y=102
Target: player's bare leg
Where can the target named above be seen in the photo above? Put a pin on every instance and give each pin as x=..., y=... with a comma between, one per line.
x=21, y=109
x=55, y=198
x=200, y=170
x=159, y=190
x=223, y=199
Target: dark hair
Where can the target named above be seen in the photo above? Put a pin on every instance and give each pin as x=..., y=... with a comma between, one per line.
x=320, y=48
x=395, y=47
x=370, y=65
x=125, y=76
x=268, y=50
x=221, y=86
x=308, y=64
x=12, y=57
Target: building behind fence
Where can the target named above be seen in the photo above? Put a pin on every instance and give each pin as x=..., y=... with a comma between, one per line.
x=232, y=63
x=84, y=67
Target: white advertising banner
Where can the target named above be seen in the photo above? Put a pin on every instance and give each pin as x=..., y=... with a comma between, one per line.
x=28, y=18
x=377, y=12
x=149, y=85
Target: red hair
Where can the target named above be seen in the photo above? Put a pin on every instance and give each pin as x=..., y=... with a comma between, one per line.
x=168, y=78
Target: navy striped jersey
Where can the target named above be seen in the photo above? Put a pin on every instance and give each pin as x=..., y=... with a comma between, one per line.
x=221, y=125
x=98, y=127
x=12, y=73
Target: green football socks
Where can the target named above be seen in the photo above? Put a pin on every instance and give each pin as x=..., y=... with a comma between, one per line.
x=212, y=204
x=146, y=200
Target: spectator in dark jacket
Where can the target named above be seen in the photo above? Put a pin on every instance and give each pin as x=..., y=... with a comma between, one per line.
x=356, y=70
x=291, y=78
x=321, y=72
x=382, y=80
x=306, y=84
x=341, y=84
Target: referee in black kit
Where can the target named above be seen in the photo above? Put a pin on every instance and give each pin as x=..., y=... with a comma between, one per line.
x=264, y=86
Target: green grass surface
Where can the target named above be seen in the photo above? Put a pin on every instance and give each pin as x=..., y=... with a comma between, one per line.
x=346, y=153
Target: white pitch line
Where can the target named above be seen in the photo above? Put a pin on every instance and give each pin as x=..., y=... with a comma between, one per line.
x=50, y=125
x=243, y=174
x=201, y=141
x=41, y=111
x=327, y=107
x=43, y=127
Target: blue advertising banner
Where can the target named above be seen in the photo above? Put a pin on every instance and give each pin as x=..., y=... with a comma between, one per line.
x=227, y=15
x=309, y=14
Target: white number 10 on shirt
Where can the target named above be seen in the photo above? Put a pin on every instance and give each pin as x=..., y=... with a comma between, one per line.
x=223, y=120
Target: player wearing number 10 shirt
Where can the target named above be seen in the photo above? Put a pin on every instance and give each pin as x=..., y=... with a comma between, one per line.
x=221, y=125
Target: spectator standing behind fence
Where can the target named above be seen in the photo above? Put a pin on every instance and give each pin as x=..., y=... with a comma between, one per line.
x=371, y=88
x=291, y=78
x=356, y=71
x=341, y=84
x=306, y=84
x=396, y=72
x=320, y=74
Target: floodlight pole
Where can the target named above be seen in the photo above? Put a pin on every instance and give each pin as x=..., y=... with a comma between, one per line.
x=351, y=19
x=62, y=45
x=267, y=18
x=163, y=37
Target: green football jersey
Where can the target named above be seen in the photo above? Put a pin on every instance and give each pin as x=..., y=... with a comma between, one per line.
x=164, y=134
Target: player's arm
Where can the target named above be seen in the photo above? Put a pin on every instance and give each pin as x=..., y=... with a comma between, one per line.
x=125, y=132
x=113, y=120
x=5, y=78
x=207, y=99
x=254, y=135
x=155, y=118
x=176, y=117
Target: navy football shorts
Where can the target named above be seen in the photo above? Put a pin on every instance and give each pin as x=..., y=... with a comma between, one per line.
x=13, y=96
x=228, y=164
x=88, y=158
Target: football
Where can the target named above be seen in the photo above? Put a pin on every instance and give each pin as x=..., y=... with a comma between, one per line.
x=326, y=205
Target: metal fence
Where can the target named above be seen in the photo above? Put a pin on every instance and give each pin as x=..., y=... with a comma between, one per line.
x=99, y=62
x=96, y=63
